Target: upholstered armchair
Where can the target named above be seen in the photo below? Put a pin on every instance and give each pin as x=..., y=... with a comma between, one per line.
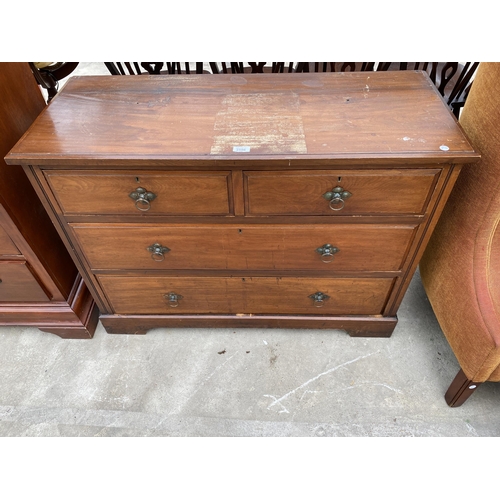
x=460, y=269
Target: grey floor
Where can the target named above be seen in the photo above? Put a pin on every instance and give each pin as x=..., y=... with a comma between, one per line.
x=248, y=382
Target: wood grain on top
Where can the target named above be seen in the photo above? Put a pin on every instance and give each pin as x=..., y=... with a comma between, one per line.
x=295, y=116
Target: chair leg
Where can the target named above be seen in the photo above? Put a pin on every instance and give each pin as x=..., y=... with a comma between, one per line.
x=460, y=390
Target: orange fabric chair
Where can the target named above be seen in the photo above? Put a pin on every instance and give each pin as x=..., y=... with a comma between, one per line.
x=460, y=268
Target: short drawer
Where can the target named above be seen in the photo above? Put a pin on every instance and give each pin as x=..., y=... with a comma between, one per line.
x=18, y=284
x=253, y=295
x=129, y=193
x=331, y=192
x=332, y=247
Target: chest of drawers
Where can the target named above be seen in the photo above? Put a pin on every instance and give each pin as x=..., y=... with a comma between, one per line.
x=275, y=200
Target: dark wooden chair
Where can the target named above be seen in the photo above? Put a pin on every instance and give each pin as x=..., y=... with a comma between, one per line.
x=323, y=67
x=48, y=75
x=452, y=79
x=252, y=67
x=154, y=68
x=172, y=68
x=286, y=67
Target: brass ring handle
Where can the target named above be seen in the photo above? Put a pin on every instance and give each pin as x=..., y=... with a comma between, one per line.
x=336, y=196
x=143, y=199
x=173, y=298
x=319, y=298
x=335, y=201
x=158, y=251
x=327, y=252
x=142, y=205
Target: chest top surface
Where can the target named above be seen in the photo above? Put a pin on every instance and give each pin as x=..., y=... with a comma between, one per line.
x=368, y=115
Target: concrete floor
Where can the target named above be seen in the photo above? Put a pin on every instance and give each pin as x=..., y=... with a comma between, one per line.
x=248, y=382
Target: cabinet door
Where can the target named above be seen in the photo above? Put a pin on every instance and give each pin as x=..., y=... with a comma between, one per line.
x=7, y=246
x=18, y=284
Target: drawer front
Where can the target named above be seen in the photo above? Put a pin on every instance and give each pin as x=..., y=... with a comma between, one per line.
x=357, y=192
x=332, y=247
x=255, y=295
x=17, y=284
x=7, y=246
x=129, y=193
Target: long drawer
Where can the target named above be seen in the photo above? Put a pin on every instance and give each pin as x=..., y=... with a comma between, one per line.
x=330, y=192
x=332, y=247
x=128, y=193
x=252, y=295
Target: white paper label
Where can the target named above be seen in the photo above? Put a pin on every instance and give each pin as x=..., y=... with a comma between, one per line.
x=241, y=149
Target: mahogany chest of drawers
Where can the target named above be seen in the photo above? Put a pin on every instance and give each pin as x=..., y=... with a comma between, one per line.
x=274, y=200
